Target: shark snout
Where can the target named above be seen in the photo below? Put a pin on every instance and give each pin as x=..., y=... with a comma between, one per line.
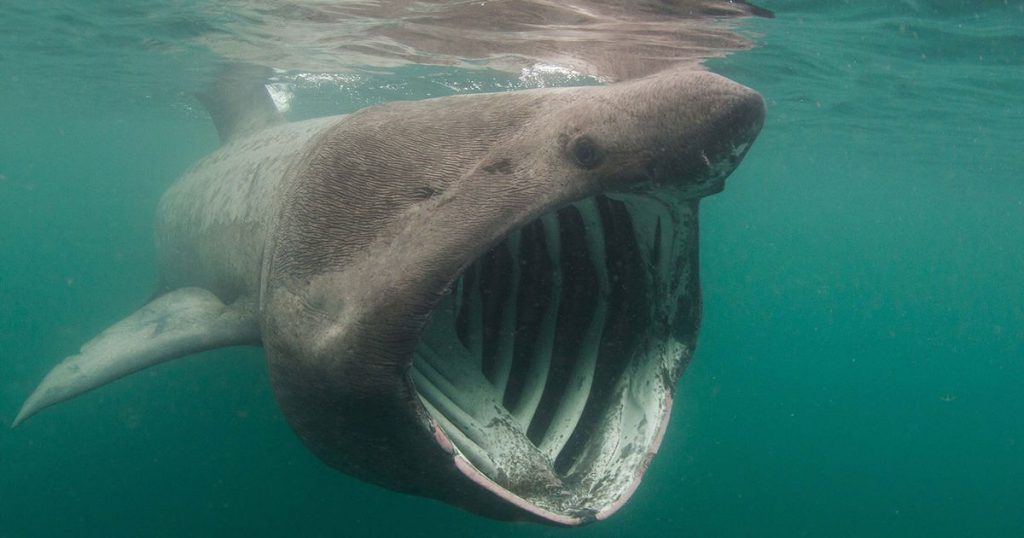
x=708, y=125
x=736, y=125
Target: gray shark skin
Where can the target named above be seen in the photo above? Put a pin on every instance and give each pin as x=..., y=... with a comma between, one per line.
x=485, y=299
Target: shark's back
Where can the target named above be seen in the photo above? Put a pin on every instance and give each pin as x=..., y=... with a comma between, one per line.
x=212, y=224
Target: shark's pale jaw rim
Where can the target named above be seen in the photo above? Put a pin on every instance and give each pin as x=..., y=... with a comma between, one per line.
x=474, y=474
x=655, y=447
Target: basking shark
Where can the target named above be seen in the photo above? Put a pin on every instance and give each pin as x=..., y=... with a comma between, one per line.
x=486, y=299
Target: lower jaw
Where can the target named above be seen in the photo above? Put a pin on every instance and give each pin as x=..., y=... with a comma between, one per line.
x=551, y=363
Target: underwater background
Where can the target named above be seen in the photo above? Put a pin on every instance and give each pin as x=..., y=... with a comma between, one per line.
x=860, y=371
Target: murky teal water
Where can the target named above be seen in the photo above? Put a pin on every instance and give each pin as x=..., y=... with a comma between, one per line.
x=860, y=370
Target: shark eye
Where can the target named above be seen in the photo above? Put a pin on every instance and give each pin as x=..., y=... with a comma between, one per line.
x=585, y=152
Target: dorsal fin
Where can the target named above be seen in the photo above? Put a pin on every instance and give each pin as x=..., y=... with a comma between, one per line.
x=239, y=103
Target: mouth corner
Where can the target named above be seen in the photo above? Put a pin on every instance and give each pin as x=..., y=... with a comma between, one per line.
x=547, y=370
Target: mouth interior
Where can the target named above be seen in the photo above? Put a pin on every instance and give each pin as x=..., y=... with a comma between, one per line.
x=551, y=362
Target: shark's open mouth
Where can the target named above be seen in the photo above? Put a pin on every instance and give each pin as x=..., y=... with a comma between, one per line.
x=550, y=365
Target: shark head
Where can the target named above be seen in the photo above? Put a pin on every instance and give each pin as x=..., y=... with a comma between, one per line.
x=489, y=299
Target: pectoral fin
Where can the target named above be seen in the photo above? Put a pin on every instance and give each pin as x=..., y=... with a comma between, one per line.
x=179, y=323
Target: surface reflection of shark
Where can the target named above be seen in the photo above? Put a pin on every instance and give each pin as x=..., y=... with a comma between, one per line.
x=611, y=39
x=487, y=299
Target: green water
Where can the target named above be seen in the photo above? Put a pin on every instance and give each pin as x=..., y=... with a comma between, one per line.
x=860, y=370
